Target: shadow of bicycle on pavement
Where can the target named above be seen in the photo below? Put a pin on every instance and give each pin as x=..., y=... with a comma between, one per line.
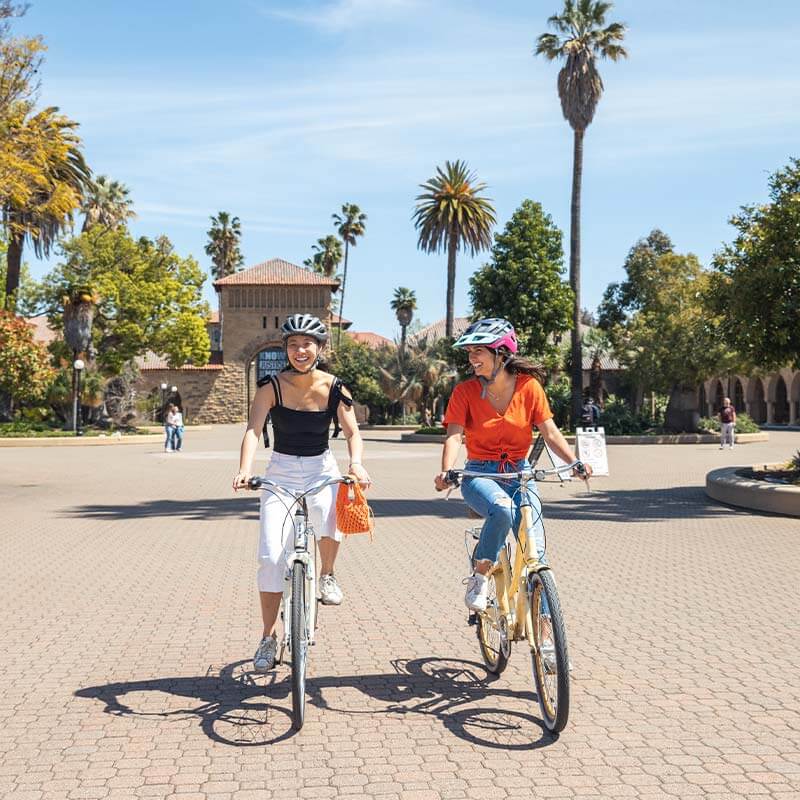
x=241, y=708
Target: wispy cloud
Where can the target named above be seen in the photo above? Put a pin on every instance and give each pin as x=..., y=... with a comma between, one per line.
x=343, y=15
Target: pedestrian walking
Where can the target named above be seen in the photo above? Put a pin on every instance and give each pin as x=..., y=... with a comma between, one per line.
x=727, y=423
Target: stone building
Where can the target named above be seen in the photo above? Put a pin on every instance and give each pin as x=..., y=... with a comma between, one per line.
x=245, y=340
x=772, y=398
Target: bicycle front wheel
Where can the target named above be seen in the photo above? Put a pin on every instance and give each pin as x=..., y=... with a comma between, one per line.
x=299, y=643
x=492, y=631
x=547, y=637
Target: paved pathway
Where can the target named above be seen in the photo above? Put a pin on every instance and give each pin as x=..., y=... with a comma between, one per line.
x=128, y=613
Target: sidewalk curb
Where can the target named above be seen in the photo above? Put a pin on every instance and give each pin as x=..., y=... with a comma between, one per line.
x=79, y=441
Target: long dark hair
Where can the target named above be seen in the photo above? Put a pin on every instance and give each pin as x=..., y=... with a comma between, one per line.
x=519, y=365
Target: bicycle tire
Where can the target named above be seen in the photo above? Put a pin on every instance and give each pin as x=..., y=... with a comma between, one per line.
x=551, y=676
x=299, y=644
x=488, y=631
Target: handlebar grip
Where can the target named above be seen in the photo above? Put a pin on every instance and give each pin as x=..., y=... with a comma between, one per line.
x=254, y=483
x=580, y=468
x=453, y=479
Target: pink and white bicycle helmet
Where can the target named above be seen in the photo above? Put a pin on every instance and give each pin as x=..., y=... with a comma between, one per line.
x=492, y=333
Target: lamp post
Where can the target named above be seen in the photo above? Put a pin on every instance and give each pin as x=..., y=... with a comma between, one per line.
x=77, y=368
x=163, y=400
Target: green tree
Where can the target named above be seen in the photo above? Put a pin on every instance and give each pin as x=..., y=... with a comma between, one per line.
x=350, y=225
x=666, y=339
x=106, y=203
x=41, y=206
x=523, y=282
x=404, y=304
x=224, y=237
x=20, y=60
x=147, y=297
x=25, y=371
x=452, y=215
x=582, y=37
x=357, y=365
x=756, y=285
x=28, y=291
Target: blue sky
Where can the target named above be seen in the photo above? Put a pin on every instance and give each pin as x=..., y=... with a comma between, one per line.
x=280, y=111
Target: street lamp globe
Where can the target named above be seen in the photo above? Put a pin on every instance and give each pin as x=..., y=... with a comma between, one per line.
x=163, y=387
x=78, y=364
x=174, y=389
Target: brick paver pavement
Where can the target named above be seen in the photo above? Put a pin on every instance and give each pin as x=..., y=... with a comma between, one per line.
x=129, y=614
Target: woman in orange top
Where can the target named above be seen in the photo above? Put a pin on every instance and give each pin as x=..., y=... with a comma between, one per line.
x=497, y=410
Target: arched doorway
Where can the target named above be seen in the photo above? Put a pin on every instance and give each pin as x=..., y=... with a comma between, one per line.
x=794, y=398
x=702, y=400
x=758, y=403
x=781, y=402
x=738, y=396
x=269, y=361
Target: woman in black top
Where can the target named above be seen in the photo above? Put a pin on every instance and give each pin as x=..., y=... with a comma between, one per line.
x=302, y=402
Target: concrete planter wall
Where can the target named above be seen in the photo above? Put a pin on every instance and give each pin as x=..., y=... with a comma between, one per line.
x=668, y=438
x=726, y=486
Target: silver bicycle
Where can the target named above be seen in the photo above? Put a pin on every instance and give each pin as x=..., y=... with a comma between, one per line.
x=299, y=602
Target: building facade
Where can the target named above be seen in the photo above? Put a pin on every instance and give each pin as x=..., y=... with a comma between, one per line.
x=770, y=399
x=246, y=340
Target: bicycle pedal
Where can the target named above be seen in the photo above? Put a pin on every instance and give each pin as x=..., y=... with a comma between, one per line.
x=472, y=619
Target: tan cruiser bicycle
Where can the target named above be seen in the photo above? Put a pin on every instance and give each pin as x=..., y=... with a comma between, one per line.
x=523, y=605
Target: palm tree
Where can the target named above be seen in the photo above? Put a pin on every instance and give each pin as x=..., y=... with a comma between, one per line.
x=350, y=225
x=107, y=203
x=404, y=304
x=59, y=178
x=582, y=36
x=327, y=256
x=450, y=214
x=223, y=245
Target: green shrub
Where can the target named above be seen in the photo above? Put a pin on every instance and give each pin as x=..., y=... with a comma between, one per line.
x=618, y=419
x=559, y=394
x=431, y=429
x=744, y=424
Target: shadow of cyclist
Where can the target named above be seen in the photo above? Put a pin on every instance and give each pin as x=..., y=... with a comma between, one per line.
x=242, y=708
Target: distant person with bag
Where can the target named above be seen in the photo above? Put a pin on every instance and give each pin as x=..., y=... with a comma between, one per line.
x=590, y=413
x=727, y=423
x=170, y=423
x=302, y=401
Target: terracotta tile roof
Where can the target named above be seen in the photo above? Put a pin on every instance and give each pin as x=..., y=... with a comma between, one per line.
x=276, y=271
x=42, y=332
x=435, y=331
x=373, y=340
x=606, y=362
x=152, y=361
x=343, y=321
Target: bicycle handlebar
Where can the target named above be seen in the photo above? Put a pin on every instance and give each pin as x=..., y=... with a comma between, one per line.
x=264, y=483
x=454, y=476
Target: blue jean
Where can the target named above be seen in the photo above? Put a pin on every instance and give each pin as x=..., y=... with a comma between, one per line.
x=177, y=437
x=499, y=504
x=170, y=431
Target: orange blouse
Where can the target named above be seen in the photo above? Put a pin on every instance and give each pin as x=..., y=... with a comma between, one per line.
x=493, y=436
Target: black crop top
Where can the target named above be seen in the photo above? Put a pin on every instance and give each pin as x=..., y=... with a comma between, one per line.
x=304, y=433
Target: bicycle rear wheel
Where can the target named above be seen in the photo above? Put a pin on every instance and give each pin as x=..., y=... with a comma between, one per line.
x=299, y=644
x=549, y=655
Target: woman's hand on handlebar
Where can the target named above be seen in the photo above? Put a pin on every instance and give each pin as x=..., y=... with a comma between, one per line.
x=361, y=475
x=441, y=482
x=583, y=471
x=240, y=481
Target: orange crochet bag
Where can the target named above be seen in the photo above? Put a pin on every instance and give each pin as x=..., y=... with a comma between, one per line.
x=353, y=514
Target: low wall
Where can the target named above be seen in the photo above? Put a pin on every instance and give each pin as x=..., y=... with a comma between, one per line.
x=726, y=486
x=667, y=438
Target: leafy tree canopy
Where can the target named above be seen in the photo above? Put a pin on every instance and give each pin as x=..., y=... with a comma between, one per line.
x=756, y=285
x=27, y=294
x=148, y=297
x=357, y=365
x=25, y=371
x=523, y=282
x=657, y=321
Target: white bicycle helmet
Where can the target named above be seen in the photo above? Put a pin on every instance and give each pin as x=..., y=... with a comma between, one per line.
x=304, y=325
x=492, y=332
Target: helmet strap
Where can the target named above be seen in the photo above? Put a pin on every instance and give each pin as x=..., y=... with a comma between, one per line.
x=485, y=382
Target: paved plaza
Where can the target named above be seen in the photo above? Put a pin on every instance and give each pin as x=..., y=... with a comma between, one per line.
x=129, y=615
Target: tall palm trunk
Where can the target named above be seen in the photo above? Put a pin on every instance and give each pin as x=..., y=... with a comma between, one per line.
x=575, y=274
x=403, y=342
x=341, y=298
x=13, y=265
x=451, y=282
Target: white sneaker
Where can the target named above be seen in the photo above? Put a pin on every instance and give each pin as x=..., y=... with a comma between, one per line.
x=477, y=589
x=549, y=659
x=264, y=659
x=329, y=591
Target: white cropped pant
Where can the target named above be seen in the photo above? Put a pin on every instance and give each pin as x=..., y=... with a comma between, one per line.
x=298, y=473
